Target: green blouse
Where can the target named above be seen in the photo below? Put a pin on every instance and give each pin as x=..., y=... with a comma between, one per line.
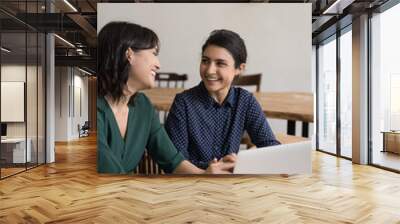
x=118, y=155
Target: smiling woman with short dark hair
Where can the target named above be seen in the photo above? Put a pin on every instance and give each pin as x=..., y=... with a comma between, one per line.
x=208, y=121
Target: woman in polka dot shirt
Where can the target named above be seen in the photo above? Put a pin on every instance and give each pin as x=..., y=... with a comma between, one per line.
x=207, y=122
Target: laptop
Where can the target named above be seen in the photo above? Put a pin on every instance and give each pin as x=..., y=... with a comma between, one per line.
x=292, y=158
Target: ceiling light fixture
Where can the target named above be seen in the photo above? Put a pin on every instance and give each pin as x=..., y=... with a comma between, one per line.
x=5, y=50
x=84, y=71
x=337, y=7
x=64, y=40
x=70, y=5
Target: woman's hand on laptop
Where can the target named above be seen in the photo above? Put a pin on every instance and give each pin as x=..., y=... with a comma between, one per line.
x=220, y=167
x=230, y=158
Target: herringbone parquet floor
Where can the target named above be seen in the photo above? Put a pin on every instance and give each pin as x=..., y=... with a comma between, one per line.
x=70, y=191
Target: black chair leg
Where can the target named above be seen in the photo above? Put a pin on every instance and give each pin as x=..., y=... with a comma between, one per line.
x=304, y=129
x=291, y=127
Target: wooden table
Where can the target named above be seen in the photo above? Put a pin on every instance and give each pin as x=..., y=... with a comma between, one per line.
x=291, y=106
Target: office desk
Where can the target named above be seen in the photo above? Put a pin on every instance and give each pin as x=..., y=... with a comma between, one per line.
x=291, y=106
x=13, y=150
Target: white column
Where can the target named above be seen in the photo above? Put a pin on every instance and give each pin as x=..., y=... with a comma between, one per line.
x=50, y=92
x=360, y=90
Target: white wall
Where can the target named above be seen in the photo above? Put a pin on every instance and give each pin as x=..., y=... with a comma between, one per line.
x=68, y=82
x=17, y=73
x=12, y=101
x=277, y=37
x=61, y=103
x=33, y=126
x=13, y=72
x=80, y=84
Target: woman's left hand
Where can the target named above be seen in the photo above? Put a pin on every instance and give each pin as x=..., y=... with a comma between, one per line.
x=220, y=167
x=230, y=158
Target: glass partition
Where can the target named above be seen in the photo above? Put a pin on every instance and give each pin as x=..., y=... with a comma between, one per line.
x=327, y=96
x=31, y=97
x=14, y=153
x=22, y=87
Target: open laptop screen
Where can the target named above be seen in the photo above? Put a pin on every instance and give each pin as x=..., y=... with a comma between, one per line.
x=281, y=159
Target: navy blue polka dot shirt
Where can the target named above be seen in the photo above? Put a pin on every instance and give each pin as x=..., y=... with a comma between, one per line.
x=202, y=129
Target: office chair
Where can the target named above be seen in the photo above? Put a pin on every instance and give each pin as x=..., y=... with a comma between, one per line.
x=84, y=130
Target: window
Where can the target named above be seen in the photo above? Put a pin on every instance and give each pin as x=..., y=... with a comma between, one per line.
x=327, y=96
x=346, y=93
x=385, y=86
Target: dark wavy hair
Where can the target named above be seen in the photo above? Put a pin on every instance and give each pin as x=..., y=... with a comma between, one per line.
x=229, y=40
x=113, y=41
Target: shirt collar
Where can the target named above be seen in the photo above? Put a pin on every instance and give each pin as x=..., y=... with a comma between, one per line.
x=101, y=104
x=208, y=100
x=230, y=98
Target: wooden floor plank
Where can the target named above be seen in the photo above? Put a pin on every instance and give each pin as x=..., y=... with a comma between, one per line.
x=70, y=191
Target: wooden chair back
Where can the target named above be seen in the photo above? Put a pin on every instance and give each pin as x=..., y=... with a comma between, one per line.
x=249, y=80
x=171, y=79
x=147, y=166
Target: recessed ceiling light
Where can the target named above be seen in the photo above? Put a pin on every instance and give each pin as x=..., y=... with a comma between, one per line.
x=5, y=50
x=338, y=6
x=84, y=71
x=64, y=40
x=70, y=5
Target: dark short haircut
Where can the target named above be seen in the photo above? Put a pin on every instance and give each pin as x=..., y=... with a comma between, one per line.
x=231, y=41
x=114, y=40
